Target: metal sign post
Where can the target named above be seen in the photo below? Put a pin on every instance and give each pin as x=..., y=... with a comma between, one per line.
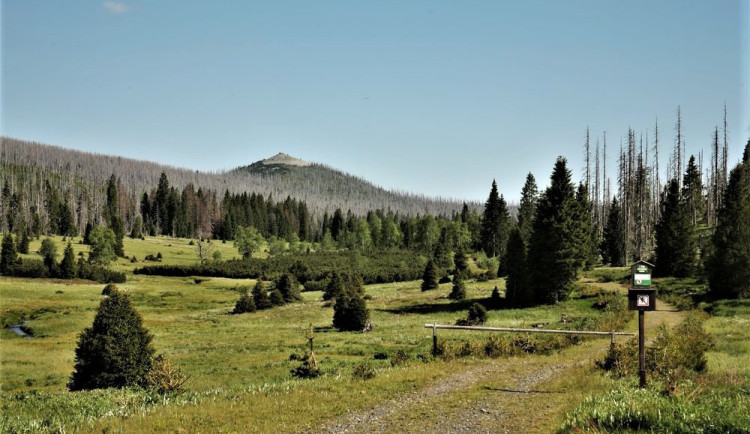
x=641, y=297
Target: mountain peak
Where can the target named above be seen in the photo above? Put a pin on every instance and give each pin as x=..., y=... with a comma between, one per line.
x=285, y=159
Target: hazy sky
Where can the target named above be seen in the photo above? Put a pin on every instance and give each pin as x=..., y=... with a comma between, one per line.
x=433, y=97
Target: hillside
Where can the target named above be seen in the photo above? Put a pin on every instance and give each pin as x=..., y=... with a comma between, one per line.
x=322, y=188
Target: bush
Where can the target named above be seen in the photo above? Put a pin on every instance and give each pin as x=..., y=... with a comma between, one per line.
x=674, y=353
x=165, y=378
x=115, y=351
x=364, y=371
x=308, y=368
x=399, y=358
x=31, y=268
x=476, y=315
x=99, y=274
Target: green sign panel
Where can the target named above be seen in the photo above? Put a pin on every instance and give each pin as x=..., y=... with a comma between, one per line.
x=642, y=279
x=642, y=269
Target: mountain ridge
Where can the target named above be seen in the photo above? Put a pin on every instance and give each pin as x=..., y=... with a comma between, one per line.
x=322, y=187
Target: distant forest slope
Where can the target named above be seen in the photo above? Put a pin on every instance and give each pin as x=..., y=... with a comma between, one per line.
x=321, y=187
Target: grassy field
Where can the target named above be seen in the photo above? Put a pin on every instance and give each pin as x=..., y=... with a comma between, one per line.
x=239, y=365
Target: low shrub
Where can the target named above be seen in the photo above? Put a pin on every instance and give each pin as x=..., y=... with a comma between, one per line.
x=399, y=358
x=364, y=371
x=166, y=378
x=673, y=355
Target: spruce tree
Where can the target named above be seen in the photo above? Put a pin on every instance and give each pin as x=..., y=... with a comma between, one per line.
x=260, y=296
x=495, y=222
x=245, y=303
x=460, y=263
x=289, y=288
x=276, y=298
x=116, y=350
x=675, y=243
x=517, y=288
x=429, y=277
x=23, y=243
x=527, y=207
x=68, y=263
x=335, y=287
x=48, y=250
x=350, y=312
x=612, y=246
x=554, y=253
x=729, y=265
x=8, y=255
x=585, y=233
x=692, y=192
x=459, y=288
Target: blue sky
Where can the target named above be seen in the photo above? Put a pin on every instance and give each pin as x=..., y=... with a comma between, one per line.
x=432, y=97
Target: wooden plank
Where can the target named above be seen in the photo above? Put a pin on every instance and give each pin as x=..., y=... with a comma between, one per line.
x=517, y=330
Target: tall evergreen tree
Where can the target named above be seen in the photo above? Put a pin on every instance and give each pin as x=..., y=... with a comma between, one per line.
x=459, y=288
x=613, y=240
x=116, y=350
x=289, y=288
x=68, y=263
x=429, y=277
x=527, y=207
x=517, y=288
x=729, y=265
x=692, y=192
x=495, y=223
x=8, y=255
x=675, y=242
x=554, y=253
x=586, y=234
x=260, y=296
x=23, y=243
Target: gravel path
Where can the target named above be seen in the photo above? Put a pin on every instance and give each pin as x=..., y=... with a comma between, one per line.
x=511, y=408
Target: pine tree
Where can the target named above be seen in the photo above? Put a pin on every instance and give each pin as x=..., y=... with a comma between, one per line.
x=692, y=192
x=68, y=263
x=729, y=265
x=613, y=240
x=459, y=288
x=116, y=350
x=23, y=243
x=495, y=222
x=48, y=250
x=527, y=207
x=276, y=298
x=554, y=253
x=460, y=263
x=8, y=255
x=245, y=303
x=260, y=296
x=585, y=234
x=675, y=243
x=289, y=288
x=335, y=287
x=350, y=313
x=517, y=288
x=429, y=277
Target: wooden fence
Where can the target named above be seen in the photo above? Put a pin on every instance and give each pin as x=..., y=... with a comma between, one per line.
x=435, y=328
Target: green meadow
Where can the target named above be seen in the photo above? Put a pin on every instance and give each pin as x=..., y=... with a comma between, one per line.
x=239, y=365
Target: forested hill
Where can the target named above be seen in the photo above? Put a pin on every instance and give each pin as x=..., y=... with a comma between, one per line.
x=321, y=187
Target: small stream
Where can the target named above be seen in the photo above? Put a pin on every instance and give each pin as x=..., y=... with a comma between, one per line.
x=18, y=329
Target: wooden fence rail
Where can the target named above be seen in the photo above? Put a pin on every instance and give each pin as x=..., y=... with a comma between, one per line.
x=435, y=328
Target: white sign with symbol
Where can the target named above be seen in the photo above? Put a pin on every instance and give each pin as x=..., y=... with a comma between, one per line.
x=643, y=300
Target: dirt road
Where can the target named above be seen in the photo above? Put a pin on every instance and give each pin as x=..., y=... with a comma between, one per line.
x=518, y=394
